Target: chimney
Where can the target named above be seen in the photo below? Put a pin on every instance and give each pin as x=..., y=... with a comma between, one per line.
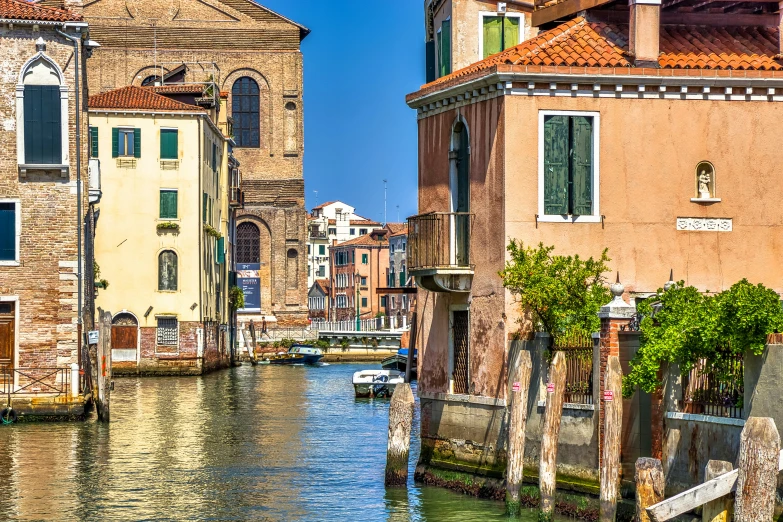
x=644, y=34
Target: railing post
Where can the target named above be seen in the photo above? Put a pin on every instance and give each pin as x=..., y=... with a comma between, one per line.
x=74, y=380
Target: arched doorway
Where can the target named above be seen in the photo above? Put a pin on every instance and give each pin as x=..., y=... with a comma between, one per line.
x=459, y=182
x=124, y=337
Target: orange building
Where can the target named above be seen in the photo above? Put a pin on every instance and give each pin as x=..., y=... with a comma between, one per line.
x=639, y=128
x=358, y=267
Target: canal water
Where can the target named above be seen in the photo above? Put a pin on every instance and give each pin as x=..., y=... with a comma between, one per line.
x=251, y=443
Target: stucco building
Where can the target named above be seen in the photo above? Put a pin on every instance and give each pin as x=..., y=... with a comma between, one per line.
x=253, y=55
x=41, y=215
x=639, y=128
x=165, y=252
x=358, y=269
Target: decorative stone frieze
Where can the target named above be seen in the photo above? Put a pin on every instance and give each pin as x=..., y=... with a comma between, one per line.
x=705, y=224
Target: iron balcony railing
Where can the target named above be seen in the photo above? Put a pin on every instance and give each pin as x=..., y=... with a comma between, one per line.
x=439, y=240
x=34, y=381
x=236, y=197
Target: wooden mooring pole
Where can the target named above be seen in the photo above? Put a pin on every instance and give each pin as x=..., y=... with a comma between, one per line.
x=717, y=510
x=400, y=422
x=104, y=365
x=547, y=469
x=758, y=470
x=612, y=403
x=520, y=383
x=650, y=484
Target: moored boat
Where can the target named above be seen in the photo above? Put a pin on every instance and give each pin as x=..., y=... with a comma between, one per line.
x=376, y=383
x=297, y=354
x=399, y=360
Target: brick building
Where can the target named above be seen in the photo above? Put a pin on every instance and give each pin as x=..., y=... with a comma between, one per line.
x=253, y=55
x=358, y=268
x=40, y=215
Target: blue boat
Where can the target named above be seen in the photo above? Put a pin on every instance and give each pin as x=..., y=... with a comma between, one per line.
x=310, y=354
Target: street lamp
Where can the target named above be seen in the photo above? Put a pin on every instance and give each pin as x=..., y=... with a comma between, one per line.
x=356, y=280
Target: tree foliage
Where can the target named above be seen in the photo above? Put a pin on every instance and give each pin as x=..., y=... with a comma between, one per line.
x=563, y=293
x=682, y=325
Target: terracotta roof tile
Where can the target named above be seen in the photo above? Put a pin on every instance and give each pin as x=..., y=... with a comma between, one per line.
x=323, y=284
x=322, y=205
x=364, y=222
x=140, y=98
x=583, y=43
x=365, y=240
x=397, y=229
x=22, y=10
x=178, y=88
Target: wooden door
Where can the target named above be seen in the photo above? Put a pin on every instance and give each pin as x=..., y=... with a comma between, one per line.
x=7, y=334
x=124, y=337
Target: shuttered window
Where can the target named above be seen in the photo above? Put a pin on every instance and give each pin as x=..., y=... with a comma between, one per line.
x=444, y=48
x=93, y=142
x=402, y=278
x=365, y=258
x=221, y=250
x=126, y=142
x=568, y=165
x=42, y=125
x=204, y=198
x=8, y=231
x=168, y=204
x=321, y=250
x=499, y=33
x=169, y=144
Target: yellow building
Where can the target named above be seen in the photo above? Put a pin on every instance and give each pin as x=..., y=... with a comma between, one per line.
x=162, y=237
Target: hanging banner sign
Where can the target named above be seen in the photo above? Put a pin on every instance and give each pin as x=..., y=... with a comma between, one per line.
x=249, y=281
x=550, y=387
x=608, y=395
x=515, y=387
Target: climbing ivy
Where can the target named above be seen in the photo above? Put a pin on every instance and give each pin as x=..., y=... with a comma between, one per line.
x=682, y=325
x=563, y=293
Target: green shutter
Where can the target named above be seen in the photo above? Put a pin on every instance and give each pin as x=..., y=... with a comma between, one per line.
x=169, y=146
x=115, y=142
x=221, y=253
x=168, y=204
x=204, y=209
x=556, y=165
x=493, y=31
x=7, y=231
x=510, y=32
x=582, y=165
x=42, y=125
x=402, y=278
x=94, y=142
x=364, y=259
x=440, y=49
x=136, y=143
x=446, y=47
x=321, y=250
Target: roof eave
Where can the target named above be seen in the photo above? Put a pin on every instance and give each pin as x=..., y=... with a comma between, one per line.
x=454, y=87
x=58, y=23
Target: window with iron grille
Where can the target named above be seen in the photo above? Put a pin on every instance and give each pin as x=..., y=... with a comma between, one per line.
x=248, y=243
x=460, y=352
x=245, y=103
x=167, y=331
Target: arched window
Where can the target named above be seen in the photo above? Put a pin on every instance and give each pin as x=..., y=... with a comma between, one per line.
x=245, y=111
x=248, y=243
x=459, y=181
x=167, y=270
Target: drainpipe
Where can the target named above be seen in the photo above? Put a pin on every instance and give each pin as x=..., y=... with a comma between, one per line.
x=77, y=41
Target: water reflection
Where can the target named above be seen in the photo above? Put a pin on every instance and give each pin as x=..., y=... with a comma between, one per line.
x=264, y=443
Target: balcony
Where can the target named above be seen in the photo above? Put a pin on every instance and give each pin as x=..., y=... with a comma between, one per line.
x=318, y=234
x=439, y=251
x=236, y=197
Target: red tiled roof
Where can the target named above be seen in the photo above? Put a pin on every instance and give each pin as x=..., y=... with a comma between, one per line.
x=139, y=98
x=22, y=10
x=323, y=284
x=363, y=222
x=365, y=240
x=322, y=205
x=397, y=229
x=583, y=43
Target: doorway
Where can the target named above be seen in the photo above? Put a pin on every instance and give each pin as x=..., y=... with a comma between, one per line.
x=7, y=343
x=124, y=337
x=459, y=157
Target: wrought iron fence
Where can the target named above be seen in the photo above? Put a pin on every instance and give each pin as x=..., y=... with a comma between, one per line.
x=34, y=381
x=461, y=374
x=439, y=240
x=578, y=352
x=716, y=387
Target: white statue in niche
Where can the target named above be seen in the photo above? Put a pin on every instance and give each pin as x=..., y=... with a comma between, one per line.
x=705, y=180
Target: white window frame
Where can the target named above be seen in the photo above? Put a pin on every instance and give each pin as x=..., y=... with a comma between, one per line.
x=596, y=216
x=65, y=158
x=18, y=232
x=484, y=14
x=123, y=129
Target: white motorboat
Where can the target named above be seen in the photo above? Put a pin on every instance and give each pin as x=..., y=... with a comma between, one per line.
x=376, y=383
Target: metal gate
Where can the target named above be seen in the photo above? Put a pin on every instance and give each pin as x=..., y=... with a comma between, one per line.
x=460, y=332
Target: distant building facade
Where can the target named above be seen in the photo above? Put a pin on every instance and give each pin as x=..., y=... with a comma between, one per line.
x=401, y=298
x=318, y=300
x=358, y=269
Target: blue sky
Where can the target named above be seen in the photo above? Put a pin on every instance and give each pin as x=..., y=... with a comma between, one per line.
x=359, y=63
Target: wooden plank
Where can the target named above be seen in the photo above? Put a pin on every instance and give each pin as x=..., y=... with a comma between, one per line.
x=613, y=430
x=695, y=497
x=568, y=7
x=520, y=384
